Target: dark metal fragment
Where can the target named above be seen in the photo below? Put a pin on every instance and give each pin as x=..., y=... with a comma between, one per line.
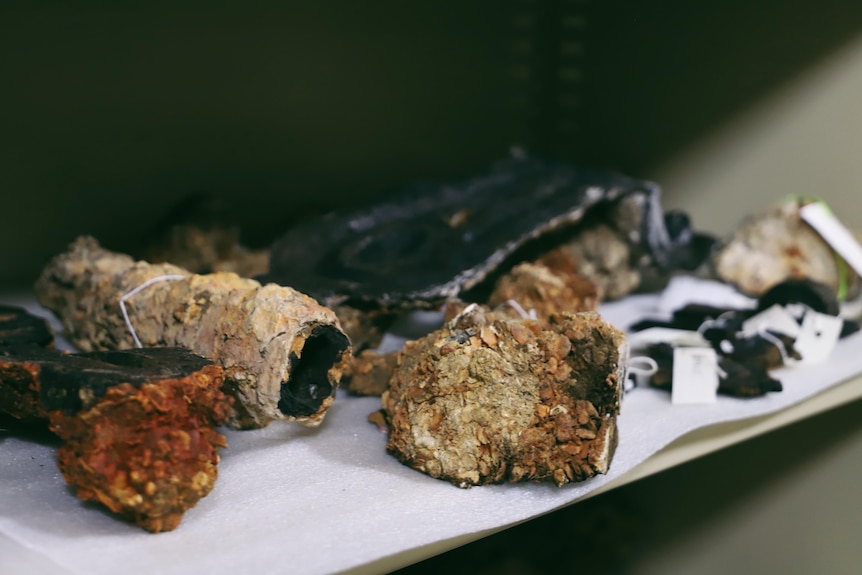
x=17, y=326
x=71, y=382
x=818, y=296
x=735, y=379
x=431, y=242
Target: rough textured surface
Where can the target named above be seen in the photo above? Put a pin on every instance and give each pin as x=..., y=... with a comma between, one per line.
x=148, y=453
x=432, y=242
x=138, y=425
x=19, y=392
x=549, y=286
x=201, y=235
x=282, y=352
x=202, y=250
x=364, y=327
x=487, y=401
x=776, y=245
x=369, y=372
x=18, y=397
x=604, y=258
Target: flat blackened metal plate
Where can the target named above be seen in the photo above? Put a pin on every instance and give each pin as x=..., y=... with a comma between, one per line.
x=430, y=242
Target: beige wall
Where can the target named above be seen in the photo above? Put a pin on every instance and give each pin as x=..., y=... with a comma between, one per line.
x=805, y=138
x=788, y=503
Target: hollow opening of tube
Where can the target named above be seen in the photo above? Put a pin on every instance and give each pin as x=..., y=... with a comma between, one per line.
x=308, y=385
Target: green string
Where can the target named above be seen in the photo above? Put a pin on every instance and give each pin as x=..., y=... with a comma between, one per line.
x=840, y=263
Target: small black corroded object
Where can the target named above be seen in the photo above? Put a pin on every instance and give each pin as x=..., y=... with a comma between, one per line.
x=819, y=297
x=431, y=242
x=692, y=316
x=735, y=379
x=17, y=326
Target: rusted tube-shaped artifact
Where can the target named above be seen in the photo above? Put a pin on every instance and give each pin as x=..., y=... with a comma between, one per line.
x=282, y=352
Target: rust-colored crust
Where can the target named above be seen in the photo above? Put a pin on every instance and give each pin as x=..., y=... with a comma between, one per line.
x=148, y=453
x=19, y=391
x=545, y=289
x=369, y=372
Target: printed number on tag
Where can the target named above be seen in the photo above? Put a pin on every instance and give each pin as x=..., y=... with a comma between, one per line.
x=817, y=337
x=695, y=375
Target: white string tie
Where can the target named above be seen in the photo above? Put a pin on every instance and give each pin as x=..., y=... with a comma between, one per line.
x=138, y=289
x=521, y=311
x=642, y=367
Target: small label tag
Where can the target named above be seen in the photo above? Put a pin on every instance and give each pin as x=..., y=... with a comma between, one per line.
x=818, y=216
x=817, y=336
x=695, y=375
x=776, y=318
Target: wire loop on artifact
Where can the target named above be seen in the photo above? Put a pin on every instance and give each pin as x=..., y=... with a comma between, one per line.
x=776, y=341
x=141, y=287
x=641, y=367
x=719, y=322
x=521, y=311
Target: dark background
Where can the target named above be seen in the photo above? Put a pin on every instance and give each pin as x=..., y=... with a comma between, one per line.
x=111, y=113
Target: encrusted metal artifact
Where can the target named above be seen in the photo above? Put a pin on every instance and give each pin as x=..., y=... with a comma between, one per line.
x=17, y=326
x=369, y=372
x=549, y=286
x=282, y=352
x=429, y=242
x=777, y=244
x=200, y=235
x=749, y=379
x=486, y=400
x=138, y=426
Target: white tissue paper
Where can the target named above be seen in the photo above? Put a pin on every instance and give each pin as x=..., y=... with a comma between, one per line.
x=297, y=500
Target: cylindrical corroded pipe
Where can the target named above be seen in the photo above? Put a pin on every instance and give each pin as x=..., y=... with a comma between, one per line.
x=283, y=353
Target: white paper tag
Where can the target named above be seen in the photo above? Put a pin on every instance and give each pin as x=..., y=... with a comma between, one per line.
x=817, y=336
x=672, y=336
x=695, y=375
x=818, y=216
x=776, y=318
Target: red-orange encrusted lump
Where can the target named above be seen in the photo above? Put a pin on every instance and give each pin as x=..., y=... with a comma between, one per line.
x=148, y=452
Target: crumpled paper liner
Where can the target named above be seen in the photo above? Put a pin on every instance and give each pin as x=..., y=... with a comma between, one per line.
x=330, y=499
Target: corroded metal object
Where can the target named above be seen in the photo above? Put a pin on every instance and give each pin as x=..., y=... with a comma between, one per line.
x=138, y=426
x=432, y=242
x=777, y=244
x=487, y=399
x=282, y=352
x=17, y=326
x=549, y=286
x=735, y=379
